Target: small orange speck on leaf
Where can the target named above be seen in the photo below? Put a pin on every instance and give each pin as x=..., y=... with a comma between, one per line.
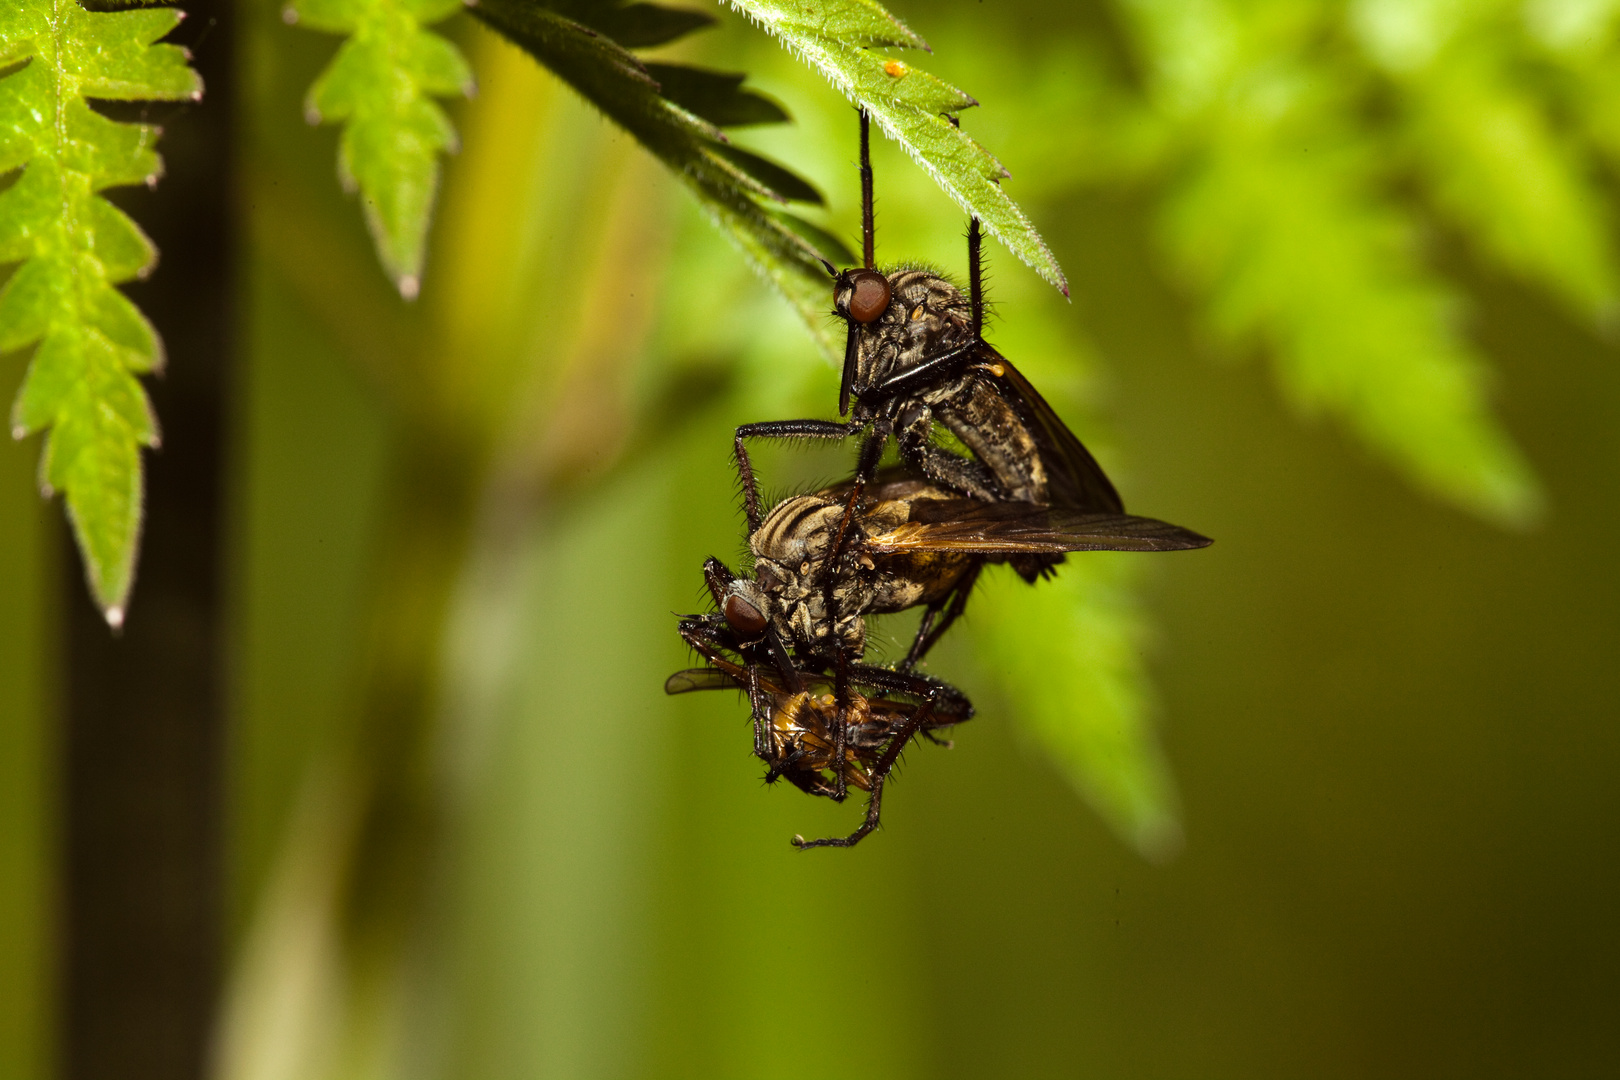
x=895, y=69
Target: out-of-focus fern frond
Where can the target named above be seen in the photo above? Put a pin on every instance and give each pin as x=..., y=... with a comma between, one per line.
x=1280, y=210
x=1069, y=657
x=678, y=113
x=1289, y=249
x=74, y=247
x=1476, y=132
x=380, y=87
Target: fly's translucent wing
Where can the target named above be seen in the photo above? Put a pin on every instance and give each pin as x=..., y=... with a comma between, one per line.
x=1074, y=478
x=709, y=678
x=971, y=527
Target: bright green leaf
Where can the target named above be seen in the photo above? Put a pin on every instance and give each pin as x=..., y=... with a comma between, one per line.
x=74, y=247
x=917, y=110
x=380, y=87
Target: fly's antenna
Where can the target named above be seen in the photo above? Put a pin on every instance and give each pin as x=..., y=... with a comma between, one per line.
x=975, y=282
x=868, y=233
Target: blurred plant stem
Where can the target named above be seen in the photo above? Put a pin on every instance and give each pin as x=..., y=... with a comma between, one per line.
x=548, y=258
x=27, y=813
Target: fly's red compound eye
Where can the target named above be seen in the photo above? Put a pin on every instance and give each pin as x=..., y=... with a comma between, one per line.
x=743, y=616
x=869, y=295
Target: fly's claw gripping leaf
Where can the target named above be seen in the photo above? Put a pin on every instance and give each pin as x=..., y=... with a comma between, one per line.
x=914, y=108
x=380, y=87
x=73, y=248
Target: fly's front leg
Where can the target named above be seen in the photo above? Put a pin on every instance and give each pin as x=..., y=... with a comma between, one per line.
x=975, y=281
x=840, y=731
x=934, y=370
x=760, y=713
x=865, y=470
x=778, y=429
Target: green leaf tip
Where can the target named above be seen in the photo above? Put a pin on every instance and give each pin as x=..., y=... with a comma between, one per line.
x=912, y=107
x=381, y=87
x=73, y=248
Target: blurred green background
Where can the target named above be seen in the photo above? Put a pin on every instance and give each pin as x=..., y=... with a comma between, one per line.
x=466, y=834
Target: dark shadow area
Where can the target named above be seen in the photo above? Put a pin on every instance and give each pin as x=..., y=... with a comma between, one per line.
x=142, y=741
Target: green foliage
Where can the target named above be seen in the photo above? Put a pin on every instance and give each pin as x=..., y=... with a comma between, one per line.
x=380, y=87
x=74, y=247
x=678, y=114
x=1068, y=658
x=914, y=108
x=1490, y=153
x=1285, y=131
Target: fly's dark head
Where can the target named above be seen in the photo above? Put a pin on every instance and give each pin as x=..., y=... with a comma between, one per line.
x=895, y=323
x=861, y=297
x=746, y=610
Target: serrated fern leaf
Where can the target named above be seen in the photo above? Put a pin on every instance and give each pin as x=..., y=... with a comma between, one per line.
x=380, y=87
x=1095, y=719
x=677, y=113
x=73, y=247
x=914, y=108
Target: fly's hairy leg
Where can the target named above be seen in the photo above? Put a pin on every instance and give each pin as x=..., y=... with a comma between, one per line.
x=840, y=725
x=760, y=711
x=945, y=365
x=865, y=470
x=968, y=478
x=975, y=282
x=777, y=429
x=717, y=575
x=868, y=225
x=912, y=427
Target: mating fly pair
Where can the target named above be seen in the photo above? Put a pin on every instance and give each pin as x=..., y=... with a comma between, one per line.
x=886, y=541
